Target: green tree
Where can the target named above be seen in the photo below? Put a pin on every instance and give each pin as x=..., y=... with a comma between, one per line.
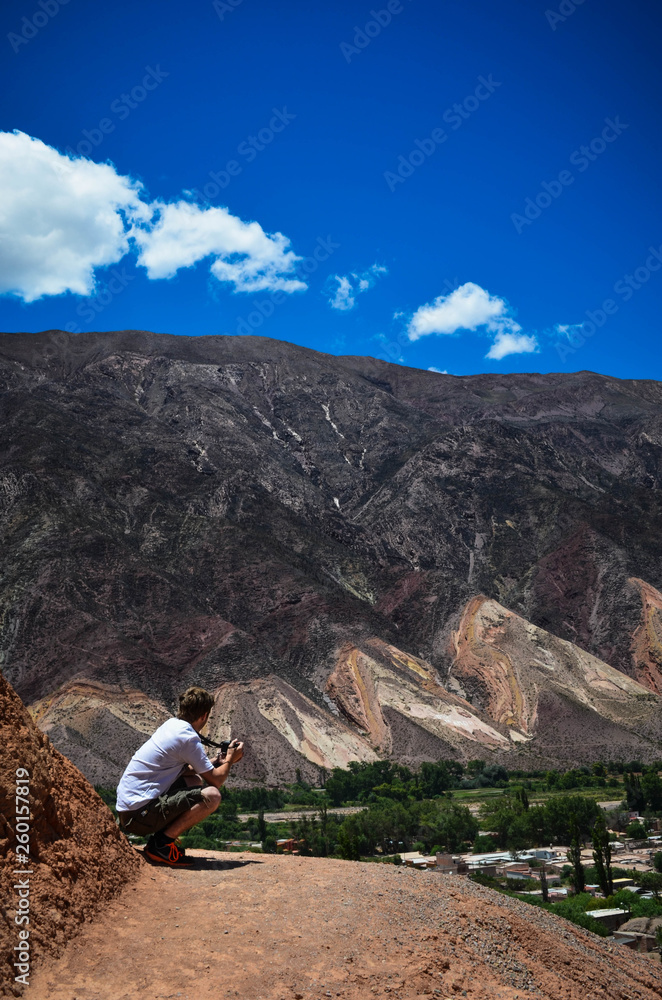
x=651, y=882
x=395, y=791
x=358, y=781
x=651, y=787
x=305, y=832
x=575, y=856
x=269, y=845
x=484, y=844
x=450, y=825
x=558, y=811
x=350, y=842
x=435, y=779
x=657, y=861
x=519, y=835
x=636, y=830
x=602, y=856
x=261, y=827
x=498, y=814
x=475, y=767
x=391, y=826
x=322, y=847
x=521, y=795
x=543, y=884
x=634, y=794
x=493, y=776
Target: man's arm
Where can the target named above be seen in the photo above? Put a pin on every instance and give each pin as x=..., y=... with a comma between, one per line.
x=219, y=775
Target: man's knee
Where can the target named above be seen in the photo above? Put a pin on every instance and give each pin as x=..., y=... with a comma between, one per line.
x=211, y=798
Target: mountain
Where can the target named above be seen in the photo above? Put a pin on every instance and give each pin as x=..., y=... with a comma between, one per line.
x=361, y=558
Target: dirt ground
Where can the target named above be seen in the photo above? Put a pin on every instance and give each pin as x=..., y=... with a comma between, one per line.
x=264, y=927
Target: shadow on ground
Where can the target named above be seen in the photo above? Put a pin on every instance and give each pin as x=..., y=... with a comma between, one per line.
x=200, y=864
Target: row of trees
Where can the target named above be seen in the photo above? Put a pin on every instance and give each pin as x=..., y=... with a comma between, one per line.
x=393, y=827
x=644, y=792
x=363, y=782
x=383, y=780
x=406, y=807
x=578, y=777
x=368, y=782
x=388, y=826
x=515, y=825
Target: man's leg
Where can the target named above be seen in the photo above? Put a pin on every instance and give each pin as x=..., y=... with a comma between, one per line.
x=211, y=799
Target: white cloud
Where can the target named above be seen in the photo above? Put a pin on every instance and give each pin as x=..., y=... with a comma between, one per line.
x=437, y=370
x=245, y=255
x=351, y=285
x=511, y=343
x=344, y=298
x=465, y=308
x=59, y=218
x=471, y=307
x=63, y=217
x=571, y=331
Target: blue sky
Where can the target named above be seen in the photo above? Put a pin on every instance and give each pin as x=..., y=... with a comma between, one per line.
x=404, y=148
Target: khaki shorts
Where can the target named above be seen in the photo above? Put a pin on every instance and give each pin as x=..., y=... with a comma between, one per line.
x=161, y=812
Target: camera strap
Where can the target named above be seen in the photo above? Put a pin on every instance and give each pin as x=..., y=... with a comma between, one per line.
x=210, y=743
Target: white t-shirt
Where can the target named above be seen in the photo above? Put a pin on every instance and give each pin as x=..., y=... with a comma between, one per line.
x=159, y=762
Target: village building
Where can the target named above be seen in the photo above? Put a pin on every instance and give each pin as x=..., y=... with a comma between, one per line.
x=612, y=919
x=640, y=933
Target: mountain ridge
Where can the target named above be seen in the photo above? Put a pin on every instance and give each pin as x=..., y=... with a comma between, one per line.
x=222, y=510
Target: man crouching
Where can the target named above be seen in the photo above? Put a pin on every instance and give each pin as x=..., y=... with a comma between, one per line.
x=170, y=784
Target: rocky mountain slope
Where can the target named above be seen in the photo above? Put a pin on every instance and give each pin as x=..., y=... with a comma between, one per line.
x=330, y=543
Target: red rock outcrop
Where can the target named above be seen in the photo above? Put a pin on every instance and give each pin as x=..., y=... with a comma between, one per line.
x=647, y=639
x=77, y=859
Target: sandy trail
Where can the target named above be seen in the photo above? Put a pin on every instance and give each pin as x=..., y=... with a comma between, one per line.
x=279, y=816
x=264, y=927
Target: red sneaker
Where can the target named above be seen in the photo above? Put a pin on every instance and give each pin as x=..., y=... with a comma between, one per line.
x=170, y=854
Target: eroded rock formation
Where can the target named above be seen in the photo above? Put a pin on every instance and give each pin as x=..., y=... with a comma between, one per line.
x=389, y=693
x=514, y=671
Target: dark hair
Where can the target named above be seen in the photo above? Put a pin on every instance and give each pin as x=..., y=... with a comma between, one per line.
x=193, y=703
